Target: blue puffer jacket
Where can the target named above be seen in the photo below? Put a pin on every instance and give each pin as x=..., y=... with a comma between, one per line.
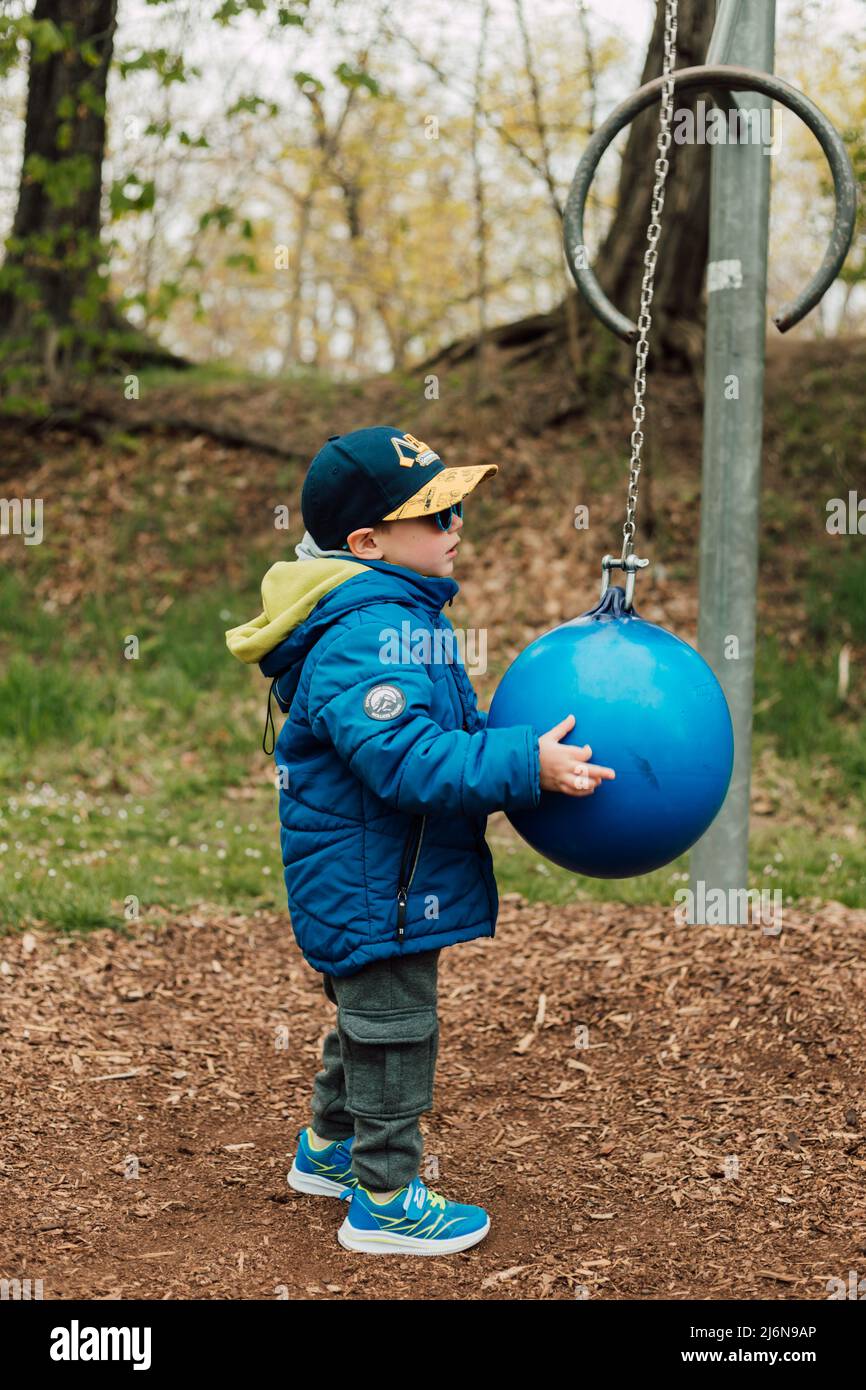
x=387, y=772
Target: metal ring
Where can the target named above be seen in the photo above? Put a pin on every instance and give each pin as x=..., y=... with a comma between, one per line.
x=726, y=78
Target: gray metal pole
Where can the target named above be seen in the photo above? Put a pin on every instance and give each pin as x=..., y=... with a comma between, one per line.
x=733, y=425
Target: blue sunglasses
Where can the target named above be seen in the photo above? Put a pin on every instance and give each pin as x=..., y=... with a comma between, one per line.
x=444, y=517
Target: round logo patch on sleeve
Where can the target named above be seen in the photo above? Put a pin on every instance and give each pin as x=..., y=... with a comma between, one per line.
x=384, y=701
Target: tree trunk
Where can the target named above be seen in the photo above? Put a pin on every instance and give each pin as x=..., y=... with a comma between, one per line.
x=54, y=306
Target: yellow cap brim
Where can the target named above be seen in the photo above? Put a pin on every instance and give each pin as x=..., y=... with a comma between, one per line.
x=448, y=486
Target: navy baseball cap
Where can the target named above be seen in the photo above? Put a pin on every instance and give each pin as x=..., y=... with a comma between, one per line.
x=378, y=474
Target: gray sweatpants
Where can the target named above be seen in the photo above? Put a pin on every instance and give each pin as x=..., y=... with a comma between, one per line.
x=379, y=1065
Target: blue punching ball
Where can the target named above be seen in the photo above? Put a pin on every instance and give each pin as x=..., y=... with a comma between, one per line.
x=649, y=707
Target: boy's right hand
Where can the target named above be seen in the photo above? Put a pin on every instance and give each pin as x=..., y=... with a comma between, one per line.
x=564, y=768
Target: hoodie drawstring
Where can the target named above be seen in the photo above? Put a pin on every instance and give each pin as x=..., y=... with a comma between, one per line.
x=269, y=719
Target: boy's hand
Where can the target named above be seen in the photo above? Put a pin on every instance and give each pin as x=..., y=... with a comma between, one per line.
x=564, y=768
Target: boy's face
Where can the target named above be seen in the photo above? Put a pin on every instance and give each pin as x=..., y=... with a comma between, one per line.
x=417, y=543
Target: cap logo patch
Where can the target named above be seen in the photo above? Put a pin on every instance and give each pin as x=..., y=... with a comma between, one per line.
x=384, y=702
x=420, y=452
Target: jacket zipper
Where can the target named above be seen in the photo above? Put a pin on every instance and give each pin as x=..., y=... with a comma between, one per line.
x=403, y=889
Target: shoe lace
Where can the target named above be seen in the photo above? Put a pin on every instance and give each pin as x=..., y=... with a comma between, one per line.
x=418, y=1192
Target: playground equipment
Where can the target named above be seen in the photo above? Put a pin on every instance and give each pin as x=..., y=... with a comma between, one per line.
x=736, y=285
x=649, y=706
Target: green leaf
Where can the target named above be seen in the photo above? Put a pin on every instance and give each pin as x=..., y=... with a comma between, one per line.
x=230, y=9
x=356, y=77
x=253, y=104
x=286, y=17
x=88, y=96
x=242, y=260
x=222, y=214
x=62, y=179
x=131, y=194
x=45, y=38
x=90, y=54
x=169, y=67
x=306, y=79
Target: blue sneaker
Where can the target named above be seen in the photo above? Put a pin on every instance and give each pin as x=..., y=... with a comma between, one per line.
x=323, y=1172
x=416, y=1221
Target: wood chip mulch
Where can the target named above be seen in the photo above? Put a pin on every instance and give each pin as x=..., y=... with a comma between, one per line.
x=646, y=1110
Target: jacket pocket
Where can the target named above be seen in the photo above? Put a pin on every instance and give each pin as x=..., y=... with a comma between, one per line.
x=408, y=865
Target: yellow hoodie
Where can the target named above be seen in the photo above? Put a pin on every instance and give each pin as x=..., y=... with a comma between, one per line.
x=290, y=591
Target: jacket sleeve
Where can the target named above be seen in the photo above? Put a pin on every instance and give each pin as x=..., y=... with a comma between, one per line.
x=409, y=760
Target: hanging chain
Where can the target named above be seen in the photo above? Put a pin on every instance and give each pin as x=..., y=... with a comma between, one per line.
x=644, y=322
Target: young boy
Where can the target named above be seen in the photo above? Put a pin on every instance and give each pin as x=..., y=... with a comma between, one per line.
x=387, y=774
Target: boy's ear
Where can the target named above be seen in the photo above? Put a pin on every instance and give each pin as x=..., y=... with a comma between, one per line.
x=363, y=544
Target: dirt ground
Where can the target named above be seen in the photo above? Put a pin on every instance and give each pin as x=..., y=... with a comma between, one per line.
x=707, y=1142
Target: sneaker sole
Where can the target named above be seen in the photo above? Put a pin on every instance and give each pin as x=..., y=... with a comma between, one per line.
x=371, y=1243
x=314, y=1185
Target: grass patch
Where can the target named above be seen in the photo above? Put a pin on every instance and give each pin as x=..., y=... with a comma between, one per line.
x=200, y=375
x=793, y=860
x=88, y=858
